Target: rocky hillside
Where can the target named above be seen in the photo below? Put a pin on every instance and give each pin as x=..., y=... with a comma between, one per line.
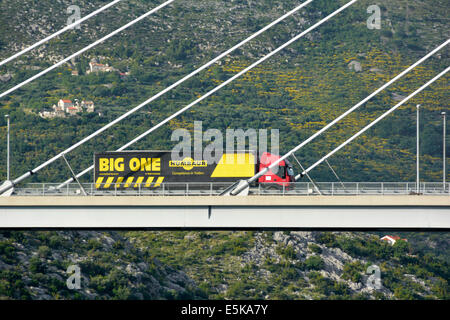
x=210, y=25
x=218, y=265
x=33, y=265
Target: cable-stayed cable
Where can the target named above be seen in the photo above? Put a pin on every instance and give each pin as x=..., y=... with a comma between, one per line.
x=70, y=26
x=262, y=172
x=174, y=85
x=56, y=65
x=170, y=87
x=221, y=85
x=356, y=135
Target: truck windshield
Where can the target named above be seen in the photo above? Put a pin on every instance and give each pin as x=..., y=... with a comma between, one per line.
x=290, y=171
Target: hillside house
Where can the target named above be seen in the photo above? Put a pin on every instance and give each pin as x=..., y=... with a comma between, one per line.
x=47, y=114
x=392, y=239
x=72, y=110
x=67, y=107
x=88, y=106
x=100, y=67
x=64, y=104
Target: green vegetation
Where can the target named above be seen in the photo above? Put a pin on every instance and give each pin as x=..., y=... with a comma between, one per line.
x=214, y=265
x=7, y=252
x=298, y=92
x=314, y=263
x=287, y=252
x=315, y=248
x=353, y=271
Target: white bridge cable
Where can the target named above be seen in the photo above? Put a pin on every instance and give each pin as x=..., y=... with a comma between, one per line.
x=307, y=175
x=70, y=26
x=174, y=115
x=356, y=135
x=174, y=85
x=56, y=65
x=334, y=172
x=315, y=135
x=160, y=94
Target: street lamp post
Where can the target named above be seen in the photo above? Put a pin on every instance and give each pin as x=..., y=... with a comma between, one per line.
x=7, y=148
x=443, y=149
x=417, y=153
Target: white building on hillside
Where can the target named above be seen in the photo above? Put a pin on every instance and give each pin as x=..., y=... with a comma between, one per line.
x=64, y=105
x=392, y=239
x=100, y=67
x=88, y=105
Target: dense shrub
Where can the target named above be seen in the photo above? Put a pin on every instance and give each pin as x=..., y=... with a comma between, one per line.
x=36, y=265
x=327, y=238
x=288, y=252
x=7, y=252
x=352, y=271
x=315, y=248
x=314, y=263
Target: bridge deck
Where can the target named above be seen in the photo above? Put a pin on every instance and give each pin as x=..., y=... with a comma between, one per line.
x=210, y=212
x=321, y=201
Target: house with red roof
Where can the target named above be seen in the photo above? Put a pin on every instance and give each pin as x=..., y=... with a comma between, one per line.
x=64, y=104
x=73, y=110
x=392, y=239
x=100, y=67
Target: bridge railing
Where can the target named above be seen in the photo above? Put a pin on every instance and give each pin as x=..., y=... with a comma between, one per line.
x=355, y=188
x=122, y=189
x=216, y=188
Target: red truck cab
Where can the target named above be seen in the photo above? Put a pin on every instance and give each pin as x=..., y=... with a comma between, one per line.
x=283, y=177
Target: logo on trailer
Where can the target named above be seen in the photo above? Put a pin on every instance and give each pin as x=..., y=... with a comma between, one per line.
x=188, y=163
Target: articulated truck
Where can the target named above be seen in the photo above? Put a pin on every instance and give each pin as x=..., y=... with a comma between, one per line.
x=151, y=169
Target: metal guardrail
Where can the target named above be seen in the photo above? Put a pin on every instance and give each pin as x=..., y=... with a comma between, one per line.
x=215, y=189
